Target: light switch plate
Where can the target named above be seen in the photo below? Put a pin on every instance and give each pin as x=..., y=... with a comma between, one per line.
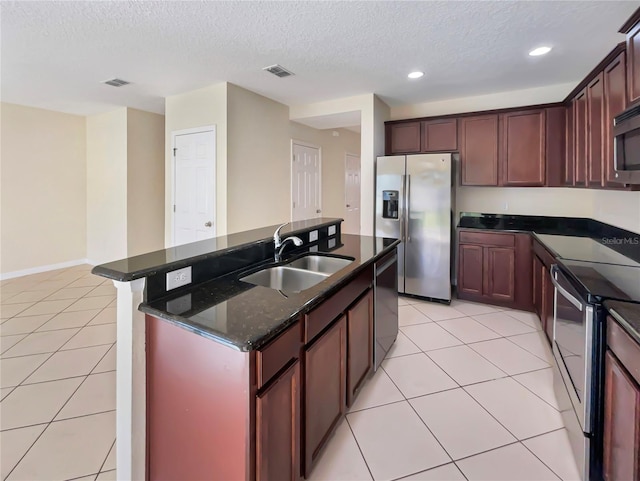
x=178, y=278
x=332, y=230
x=313, y=236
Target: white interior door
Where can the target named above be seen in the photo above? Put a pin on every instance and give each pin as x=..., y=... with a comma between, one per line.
x=195, y=186
x=351, y=224
x=305, y=182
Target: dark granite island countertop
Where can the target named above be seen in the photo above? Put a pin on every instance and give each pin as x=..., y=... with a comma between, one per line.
x=245, y=316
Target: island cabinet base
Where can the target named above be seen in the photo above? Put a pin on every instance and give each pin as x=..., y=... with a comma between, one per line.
x=217, y=413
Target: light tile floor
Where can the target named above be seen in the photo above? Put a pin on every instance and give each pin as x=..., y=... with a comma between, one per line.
x=465, y=393
x=57, y=376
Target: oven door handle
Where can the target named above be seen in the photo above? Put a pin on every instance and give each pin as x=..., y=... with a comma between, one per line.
x=554, y=272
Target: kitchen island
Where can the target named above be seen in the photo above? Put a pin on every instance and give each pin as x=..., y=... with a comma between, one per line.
x=225, y=379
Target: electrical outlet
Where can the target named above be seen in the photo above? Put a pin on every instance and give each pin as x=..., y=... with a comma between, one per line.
x=332, y=243
x=332, y=230
x=178, y=278
x=506, y=206
x=313, y=236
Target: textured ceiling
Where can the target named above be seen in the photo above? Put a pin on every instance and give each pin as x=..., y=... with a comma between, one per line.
x=55, y=54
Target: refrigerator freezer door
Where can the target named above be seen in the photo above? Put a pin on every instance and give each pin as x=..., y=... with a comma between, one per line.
x=428, y=226
x=390, y=177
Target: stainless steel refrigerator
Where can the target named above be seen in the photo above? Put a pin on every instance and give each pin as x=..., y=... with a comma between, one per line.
x=414, y=203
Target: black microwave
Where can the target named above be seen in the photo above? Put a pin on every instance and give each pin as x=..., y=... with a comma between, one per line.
x=626, y=153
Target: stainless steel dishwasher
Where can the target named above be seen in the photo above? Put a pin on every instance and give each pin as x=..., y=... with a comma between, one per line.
x=385, y=306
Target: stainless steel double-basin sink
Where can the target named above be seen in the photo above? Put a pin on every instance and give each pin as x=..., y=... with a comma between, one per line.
x=299, y=274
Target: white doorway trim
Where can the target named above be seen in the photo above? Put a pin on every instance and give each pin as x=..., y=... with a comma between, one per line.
x=313, y=146
x=174, y=134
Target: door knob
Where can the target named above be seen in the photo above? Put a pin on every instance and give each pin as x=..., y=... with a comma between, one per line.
x=318, y=211
x=208, y=224
x=348, y=205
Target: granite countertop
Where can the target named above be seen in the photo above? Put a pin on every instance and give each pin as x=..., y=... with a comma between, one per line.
x=245, y=316
x=181, y=256
x=628, y=316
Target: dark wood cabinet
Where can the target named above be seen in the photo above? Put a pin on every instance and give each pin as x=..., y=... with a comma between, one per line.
x=580, y=138
x=548, y=300
x=595, y=130
x=359, y=344
x=615, y=101
x=404, y=138
x=487, y=266
x=439, y=135
x=568, y=173
x=555, y=145
x=538, y=287
x=470, y=270
x=500, y=273
x=621, y=422
x=325, y=383
x=633, y=60
x=479, y=150
x=278, y=428
x=522, y=155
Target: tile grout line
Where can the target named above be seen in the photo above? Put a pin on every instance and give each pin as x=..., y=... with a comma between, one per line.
x=113, y=445
x=359, y=448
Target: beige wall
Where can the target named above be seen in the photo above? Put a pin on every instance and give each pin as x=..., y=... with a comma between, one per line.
x=258, y=167
x=199, y=108
x=107, y=186
x=501, y=100
x=43, y=188
x=334, y=150
x=621, y=209
x=145, y=182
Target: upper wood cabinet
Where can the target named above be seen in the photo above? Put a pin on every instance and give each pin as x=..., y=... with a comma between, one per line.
x=580, y=137
x=568, y=172
x=522, y=152
x=479, y=150
x=595, y=130
x=404, y=138
x=615, y=101
x=633, y=60
x=439, y=135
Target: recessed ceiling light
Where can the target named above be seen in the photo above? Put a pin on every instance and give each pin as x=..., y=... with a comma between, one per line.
x=540, y=51
x=415, y=74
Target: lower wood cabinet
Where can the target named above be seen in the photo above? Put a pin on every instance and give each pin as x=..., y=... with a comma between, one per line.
x=538, y=287
x=325, y=389
x=621, y=406
x=543, y=289
x=359, y=344
x=487, y=266
x=278, y=428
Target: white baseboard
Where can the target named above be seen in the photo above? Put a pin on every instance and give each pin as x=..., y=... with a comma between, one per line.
x=39, y=269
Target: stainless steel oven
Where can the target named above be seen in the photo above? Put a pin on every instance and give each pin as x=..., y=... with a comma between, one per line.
x=573, y=349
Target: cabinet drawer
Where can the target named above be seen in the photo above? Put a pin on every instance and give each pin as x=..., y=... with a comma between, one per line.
x=277, y=354
x=487, y=238
x=318, y=319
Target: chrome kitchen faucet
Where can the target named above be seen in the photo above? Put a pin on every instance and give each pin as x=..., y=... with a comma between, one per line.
x=279, y=243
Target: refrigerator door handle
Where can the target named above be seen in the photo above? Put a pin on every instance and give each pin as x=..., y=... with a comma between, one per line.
x=403, y=181
x=407, y=207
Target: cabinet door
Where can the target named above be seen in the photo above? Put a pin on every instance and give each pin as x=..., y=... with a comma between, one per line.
x=523, y=148
x=470, y=270
x=479, y=150
x=548, y=303
x=278, y=428
x=359, y=344
x=538, y=271
x=633, y=59
x=580, y=137
x=621, y=423
x=439, y=135
x=615, y=101
x=325, y=383
x=405, y=138
x=595, y=112
x=569, y=158
x=499, y=273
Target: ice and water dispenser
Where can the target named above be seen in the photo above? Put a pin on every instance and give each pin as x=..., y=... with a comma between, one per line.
x=390, y=204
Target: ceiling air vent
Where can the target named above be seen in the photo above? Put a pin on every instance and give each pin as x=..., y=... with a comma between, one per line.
x=278, y=70
x=116, y=82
